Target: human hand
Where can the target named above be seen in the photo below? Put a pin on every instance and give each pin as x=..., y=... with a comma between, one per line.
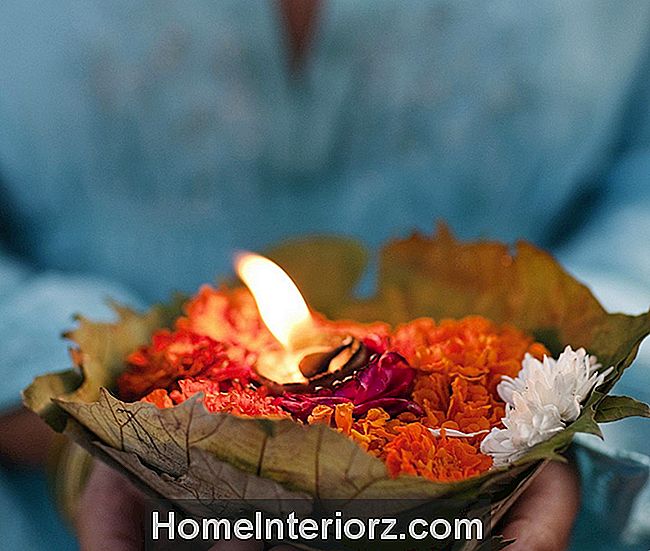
x=111, y=509
x=110, y=512
x=542, y=518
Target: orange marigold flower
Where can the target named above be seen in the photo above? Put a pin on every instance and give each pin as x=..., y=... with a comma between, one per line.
x=374, y=431
x=320, y=414
x=343, y=417
x=229, y=316
x=176, y=355
x=471, y=346
x=239, y=400
x=461, y=362
x=472, y=407
x=160, y=398
x=432, y=392
x=416, y=451
x=407, y=446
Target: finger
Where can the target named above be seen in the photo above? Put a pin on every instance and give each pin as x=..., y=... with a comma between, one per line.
x=542, y=518
x=110, y=513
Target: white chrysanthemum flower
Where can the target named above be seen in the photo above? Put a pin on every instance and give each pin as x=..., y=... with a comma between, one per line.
x=526, y=424
x=565, y=382
x=540, y=401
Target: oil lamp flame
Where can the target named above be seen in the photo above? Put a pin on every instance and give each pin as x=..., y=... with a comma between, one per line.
x=310, y=355
x=278, y=300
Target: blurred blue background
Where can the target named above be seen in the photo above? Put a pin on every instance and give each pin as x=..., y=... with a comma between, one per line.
x=143, y=141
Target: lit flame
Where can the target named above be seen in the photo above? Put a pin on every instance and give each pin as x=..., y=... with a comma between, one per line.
x=278, y=300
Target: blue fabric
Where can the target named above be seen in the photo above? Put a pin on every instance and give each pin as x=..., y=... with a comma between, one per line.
x=142, y=141
x=28, y=517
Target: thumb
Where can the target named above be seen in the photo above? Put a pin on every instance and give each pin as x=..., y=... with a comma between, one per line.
x=542, y=518
x=110, y=513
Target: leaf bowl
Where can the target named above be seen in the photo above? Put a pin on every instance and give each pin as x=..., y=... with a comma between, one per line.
x=187, y=455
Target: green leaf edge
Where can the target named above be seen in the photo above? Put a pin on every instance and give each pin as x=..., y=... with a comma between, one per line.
x=613, y=408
